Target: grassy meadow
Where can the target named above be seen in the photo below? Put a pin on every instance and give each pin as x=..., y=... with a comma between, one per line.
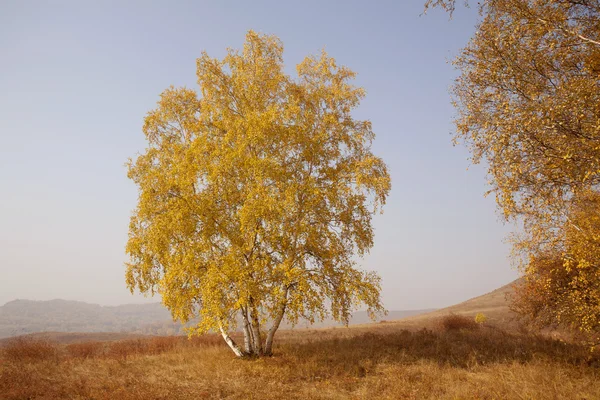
x=453, y=359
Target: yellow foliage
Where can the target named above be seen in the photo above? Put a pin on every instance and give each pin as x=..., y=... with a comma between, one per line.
x=255, y=194
x=562, y=284
x=528, y=103
x=480, y=318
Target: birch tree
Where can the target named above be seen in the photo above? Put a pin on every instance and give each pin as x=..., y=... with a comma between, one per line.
x=528, y=102
x=256, y=194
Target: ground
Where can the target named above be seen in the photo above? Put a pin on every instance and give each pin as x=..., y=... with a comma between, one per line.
x=440, y=356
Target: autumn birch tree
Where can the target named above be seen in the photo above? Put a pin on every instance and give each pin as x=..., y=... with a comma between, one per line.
x=255, y=196
x=528, y=102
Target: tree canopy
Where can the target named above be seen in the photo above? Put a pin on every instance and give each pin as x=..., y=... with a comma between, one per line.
x=528, y=102
x=255, y=195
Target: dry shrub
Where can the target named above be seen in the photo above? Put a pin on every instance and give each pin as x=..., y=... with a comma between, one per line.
x=126, y=348
x=155, y=345
x=25, y=349
x=454, y=322
x=210, y=340
x=162, y=344
x=85, y=349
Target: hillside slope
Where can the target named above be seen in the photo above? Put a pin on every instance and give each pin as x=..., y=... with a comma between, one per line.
x=494, y=305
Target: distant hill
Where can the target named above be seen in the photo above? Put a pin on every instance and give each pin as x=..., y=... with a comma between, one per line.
x=20, y=317
x=63, y=317
x=74, y=337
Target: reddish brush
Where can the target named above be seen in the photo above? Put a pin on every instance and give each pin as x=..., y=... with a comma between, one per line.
x=454, y=322
x=28, y=350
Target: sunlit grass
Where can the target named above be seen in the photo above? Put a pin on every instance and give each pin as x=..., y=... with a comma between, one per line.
x=479, y=362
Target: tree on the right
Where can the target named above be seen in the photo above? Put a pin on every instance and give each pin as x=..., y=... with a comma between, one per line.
x=528, y=106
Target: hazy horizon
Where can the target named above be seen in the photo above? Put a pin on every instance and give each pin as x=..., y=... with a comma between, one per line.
x=79, y=78
x=156, y=299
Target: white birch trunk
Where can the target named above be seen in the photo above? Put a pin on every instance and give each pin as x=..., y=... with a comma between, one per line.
x=248, y=337
x=236, y=349
x=256, y=330
x=271, y=335
x=275, y=326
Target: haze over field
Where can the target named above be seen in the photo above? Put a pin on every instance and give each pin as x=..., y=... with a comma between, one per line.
x=21, y=317
x=78, y=79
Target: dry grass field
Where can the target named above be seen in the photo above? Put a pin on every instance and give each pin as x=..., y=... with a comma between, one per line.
x=452, y=358
x=450, y=362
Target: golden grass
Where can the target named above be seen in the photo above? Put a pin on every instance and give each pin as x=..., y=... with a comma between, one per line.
x=484, y=363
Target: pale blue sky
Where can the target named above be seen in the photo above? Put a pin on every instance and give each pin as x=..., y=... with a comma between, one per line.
x=77, y=77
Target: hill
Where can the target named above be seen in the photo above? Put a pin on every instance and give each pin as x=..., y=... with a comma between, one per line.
x=66, y=338
x=494, y=305
x=21, y=317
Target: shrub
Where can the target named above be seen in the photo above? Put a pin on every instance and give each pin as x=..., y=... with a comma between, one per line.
x=208, y=340
x=454, y=322
x=156, y=345
x=28, y=350
x=125, y=348
x=480, y=318
x=85, y=350
x=162, y=344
